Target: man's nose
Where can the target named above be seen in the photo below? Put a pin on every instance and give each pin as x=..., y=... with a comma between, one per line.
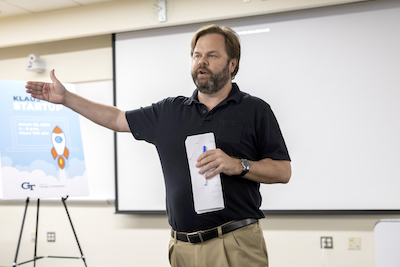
x=203, y=61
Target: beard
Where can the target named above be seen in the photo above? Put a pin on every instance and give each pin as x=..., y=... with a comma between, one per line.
x=214, y=83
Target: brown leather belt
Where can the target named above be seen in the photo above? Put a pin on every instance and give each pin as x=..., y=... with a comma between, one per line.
x=202, y=236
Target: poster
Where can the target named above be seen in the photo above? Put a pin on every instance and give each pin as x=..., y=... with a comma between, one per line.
x=41, y=153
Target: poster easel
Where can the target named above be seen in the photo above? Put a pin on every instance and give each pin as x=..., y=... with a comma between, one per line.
x=35, y=257
x=55, y=165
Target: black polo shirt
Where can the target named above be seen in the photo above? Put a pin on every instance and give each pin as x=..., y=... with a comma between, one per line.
x=244, y=127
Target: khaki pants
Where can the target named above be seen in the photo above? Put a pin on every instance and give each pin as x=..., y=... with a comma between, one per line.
x=244, y=247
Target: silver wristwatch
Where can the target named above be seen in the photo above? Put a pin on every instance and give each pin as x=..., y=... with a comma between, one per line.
x=246, y=166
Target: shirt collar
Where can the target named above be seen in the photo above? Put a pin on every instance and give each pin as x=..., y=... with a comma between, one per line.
x=234, y=95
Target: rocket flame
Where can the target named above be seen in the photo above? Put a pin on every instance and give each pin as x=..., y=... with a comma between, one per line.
x=61, y=162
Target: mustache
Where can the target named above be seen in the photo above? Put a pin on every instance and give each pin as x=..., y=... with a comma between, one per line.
x=203, y=69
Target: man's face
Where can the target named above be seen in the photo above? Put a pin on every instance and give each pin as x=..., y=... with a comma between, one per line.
x=211, y=67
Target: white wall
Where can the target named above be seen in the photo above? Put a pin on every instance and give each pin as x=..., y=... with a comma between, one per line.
x=75, y=60
x=128, y=15
x=108, y=239
x=80, y=51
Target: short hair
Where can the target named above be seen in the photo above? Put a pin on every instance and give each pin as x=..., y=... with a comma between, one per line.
x=232, y=41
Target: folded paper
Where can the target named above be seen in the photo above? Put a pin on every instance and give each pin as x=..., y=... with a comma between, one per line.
x=207, y=194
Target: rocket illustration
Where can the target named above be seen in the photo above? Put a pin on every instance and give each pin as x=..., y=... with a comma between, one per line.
x=59, y=150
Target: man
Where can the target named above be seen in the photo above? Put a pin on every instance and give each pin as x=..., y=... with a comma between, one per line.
x=249, y=150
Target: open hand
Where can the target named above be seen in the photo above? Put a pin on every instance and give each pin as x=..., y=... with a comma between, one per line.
x=52, y=92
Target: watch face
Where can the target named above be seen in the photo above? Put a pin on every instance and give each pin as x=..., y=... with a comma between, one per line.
x=246, y=165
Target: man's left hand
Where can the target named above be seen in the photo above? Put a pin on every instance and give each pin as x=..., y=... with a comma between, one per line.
x=219, y=161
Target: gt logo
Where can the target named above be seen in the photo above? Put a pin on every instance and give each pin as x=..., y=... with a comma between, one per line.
x=27, y=186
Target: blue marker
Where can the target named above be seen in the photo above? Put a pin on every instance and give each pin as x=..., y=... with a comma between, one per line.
x=205, y=180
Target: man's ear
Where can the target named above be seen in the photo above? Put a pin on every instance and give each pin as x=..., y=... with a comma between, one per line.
x=232, y=65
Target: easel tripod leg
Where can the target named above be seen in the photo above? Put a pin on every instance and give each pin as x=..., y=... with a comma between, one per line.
x=22, y=229
x=73, y=229
x=36, y=234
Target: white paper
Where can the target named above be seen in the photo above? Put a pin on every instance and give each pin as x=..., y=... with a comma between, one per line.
x=207, y=194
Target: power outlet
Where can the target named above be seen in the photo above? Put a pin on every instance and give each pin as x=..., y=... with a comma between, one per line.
x=354, y=243
x=326, y=242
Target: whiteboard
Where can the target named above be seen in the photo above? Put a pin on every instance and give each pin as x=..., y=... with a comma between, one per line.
x=331, y=75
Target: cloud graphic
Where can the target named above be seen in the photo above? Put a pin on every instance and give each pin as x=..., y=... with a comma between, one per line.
x=5, y=161
x=76, y=167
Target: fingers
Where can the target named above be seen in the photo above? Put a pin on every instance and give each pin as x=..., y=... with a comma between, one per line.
x=210, y=163
x=34, y=85
x=36, y=88
x=211, y=173
x=39, y=85
x=202, y=159
x=216, y=161
x=53, y=76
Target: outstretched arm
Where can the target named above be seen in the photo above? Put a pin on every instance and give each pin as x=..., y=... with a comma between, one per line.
x=107, y=116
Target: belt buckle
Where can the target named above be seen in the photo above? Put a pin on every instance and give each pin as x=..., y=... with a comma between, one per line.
x=191, y=235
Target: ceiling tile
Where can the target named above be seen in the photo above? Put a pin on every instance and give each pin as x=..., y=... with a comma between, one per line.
x=10, y=8
x=88, y=2
x=7, y=10
x=42, y=5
